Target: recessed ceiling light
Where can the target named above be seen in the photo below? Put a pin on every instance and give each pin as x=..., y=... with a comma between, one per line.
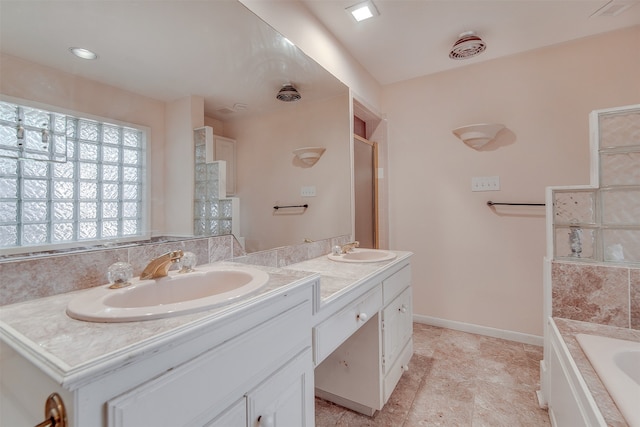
x=614, y=7
x=83, y=53
x=363, y=10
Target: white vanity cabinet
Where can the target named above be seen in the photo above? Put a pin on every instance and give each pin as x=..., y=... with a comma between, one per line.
x=281, y=400
x=251, y=368
x=367, y=358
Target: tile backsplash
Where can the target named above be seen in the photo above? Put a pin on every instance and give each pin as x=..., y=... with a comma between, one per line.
x=596, y=293
x=26, y=278
x=595, y=275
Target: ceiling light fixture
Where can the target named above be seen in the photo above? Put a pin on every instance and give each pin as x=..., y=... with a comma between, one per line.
x=614, y=8
x=363, y=10
x=288, y=93
x=468, y=45
x=83, y=53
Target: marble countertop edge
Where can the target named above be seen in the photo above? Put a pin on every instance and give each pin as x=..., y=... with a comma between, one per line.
x=70, y=351
x=181, y=328
x=401, y=257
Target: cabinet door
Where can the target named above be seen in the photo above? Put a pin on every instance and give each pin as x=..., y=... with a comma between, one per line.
x=202, y=387
x=235, y=416
x=286, y=398
x=397, y=327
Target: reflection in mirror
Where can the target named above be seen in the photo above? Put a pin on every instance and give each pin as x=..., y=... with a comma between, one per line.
x=175, y=66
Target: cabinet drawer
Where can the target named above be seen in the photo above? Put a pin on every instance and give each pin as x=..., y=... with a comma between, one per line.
x=395, y=284
x=200, y=389
x=393, y=375
x=235, y=415
x=329, y=334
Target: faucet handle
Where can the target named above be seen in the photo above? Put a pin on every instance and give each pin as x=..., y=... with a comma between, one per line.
x=187, y=263
x=119, y=275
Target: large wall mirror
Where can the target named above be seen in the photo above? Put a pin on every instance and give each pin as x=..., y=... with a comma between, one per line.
x=223, y=66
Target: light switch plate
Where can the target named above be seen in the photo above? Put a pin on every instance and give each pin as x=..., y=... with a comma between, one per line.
x=308, y=191
x=485, y=183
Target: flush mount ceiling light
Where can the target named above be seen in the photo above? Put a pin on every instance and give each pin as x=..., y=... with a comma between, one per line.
x=83, y=53
x=362, y=11
x=476, y=136
x=288, y=93
x=468, y=45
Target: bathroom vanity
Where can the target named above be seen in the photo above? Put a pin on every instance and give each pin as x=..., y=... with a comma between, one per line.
x=250, y=363
x=248, y=360
x=362, y=335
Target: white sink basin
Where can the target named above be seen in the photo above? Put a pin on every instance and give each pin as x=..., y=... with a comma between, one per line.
x=176, y=294
x=363, y=255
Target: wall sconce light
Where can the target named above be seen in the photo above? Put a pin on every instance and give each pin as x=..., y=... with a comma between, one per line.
x=476, y=136
x=309, y=155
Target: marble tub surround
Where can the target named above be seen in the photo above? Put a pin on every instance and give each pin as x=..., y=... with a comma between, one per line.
x=65, y=345
x=602, y=294
x=456, y=379
x=568, y=330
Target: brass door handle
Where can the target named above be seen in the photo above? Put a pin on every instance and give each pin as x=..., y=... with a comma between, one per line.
x=54, y=412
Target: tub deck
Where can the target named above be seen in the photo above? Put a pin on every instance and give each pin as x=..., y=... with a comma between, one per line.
x=569, y=329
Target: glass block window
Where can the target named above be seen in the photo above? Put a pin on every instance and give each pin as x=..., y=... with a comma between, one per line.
x=95, y=194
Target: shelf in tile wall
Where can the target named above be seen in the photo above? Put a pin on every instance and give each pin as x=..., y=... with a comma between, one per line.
x=619, y=227
x=631, y=187
x=620, y=149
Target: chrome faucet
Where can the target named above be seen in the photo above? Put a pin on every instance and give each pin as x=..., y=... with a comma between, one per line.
x=159, y=267
x=349, y=247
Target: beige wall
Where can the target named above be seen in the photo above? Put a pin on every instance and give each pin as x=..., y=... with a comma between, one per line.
x=473, y=264
x=183, y=116
x=268, y=173
x=29, y=81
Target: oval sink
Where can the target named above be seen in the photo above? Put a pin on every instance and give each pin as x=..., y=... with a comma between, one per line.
x=176, y=294
x=363, y=255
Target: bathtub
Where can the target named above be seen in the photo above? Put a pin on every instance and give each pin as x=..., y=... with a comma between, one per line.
x=617, y=363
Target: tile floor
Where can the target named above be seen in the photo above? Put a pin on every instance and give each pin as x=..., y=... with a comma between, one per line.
x=456, y=379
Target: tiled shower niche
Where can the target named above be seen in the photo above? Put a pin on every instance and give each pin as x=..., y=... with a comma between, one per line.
x=602, y=224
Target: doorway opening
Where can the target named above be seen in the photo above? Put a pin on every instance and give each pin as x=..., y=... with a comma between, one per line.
x=365, y=166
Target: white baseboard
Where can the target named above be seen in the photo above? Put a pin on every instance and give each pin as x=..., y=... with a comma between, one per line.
x=480, y=330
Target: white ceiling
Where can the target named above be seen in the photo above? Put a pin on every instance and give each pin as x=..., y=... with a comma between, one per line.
x=166, y=50
x=412, y=38
x=221, y=51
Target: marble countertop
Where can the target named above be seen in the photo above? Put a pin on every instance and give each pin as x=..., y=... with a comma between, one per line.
x=337, y=278
x=41, y=328
x=569, y=329
x=64, y=346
